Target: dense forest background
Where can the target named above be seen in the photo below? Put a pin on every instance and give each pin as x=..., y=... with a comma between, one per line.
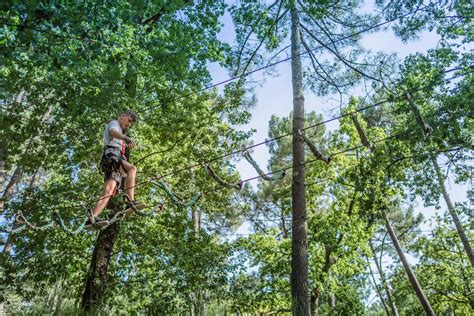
x=333, y=226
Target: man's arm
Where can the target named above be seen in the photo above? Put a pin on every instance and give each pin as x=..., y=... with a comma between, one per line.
x=115, y=133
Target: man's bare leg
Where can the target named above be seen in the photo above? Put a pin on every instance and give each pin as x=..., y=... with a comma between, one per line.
x=107, y=192
x=131, y=171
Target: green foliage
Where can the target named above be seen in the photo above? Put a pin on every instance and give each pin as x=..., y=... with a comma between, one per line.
x=71, y=67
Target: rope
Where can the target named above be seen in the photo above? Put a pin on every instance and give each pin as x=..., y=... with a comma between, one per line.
x=390, y=99
x=58, y=221
x=363, y=136
x=237, y=186
x=275, y=175
x=427, y=130
x=119, y=215
x=20, y=219
x=314, y=150
x=177, y=200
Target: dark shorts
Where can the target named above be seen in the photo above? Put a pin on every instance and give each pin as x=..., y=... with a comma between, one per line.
x=114, y=175
x=110, y=165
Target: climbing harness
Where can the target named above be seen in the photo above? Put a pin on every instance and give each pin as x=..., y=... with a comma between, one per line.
x=110, y=163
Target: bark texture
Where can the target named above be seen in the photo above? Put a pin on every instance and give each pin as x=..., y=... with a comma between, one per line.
x=411, y=276
x=96, y=281
x=299, y=249
x=383, y=280
x=452, y=211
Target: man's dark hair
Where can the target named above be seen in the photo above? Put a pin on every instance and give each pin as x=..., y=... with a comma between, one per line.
x=131, y=114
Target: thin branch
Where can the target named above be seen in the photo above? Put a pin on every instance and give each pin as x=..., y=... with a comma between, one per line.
x=313, y=59
x=341, y=58
x=278, y=18
x=270, y=60
x=252, y=30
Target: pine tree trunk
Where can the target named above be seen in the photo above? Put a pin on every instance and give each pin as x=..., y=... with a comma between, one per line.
x=299, y=250
x=382, y=299
x=383, y=279
x=452, y=211
x=411, y=276
x=96, y=281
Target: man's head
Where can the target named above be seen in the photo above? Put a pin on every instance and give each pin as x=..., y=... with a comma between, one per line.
x=127, y=118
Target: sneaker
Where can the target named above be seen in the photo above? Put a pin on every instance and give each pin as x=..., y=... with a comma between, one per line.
x=98, y=223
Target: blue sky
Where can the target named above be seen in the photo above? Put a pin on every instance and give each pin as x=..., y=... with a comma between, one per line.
x=274, y=96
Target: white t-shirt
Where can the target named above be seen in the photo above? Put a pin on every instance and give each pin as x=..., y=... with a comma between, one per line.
x=110, y=141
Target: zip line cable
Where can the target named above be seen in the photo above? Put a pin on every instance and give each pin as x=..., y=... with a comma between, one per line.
x=193, y=166
x=291, y=133
x=194, y=199
x=311, y=126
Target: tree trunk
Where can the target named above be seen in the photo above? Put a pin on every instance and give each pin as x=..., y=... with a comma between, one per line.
x=10, y=188
x=35, y=179
x=452, y=211
x=332, y=300
x=314, y=303
x=299, y=245
x=196, y=217
x=10, y=239
x=411, y=276
x=96, y=281
x=17, y=174
x=9, y=243
x=387, y=290
x=197, y=301
x=377, y=287
x=2, y=165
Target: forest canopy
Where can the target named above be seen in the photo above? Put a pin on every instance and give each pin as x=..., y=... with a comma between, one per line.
x=332, y=224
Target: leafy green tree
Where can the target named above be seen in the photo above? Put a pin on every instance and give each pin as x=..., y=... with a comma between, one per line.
x=76, y=66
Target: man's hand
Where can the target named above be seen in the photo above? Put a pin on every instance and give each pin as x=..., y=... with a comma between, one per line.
x=130, y=143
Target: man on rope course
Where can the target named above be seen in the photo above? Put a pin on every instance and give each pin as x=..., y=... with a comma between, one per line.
x=114, y=166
